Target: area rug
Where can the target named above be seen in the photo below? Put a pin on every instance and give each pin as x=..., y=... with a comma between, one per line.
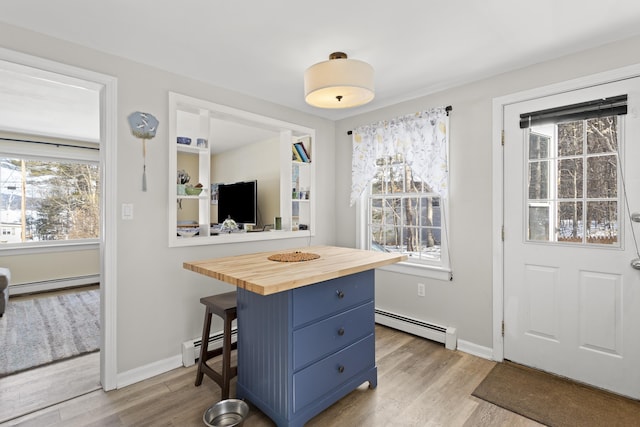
x=43, y=330
x=554, y=401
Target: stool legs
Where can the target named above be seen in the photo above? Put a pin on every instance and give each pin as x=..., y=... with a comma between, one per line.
x=228, y=372
x=204, y=346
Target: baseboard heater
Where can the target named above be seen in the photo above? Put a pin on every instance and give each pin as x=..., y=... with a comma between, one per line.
x=191, y=348
x=433, y=332
x=54, y=284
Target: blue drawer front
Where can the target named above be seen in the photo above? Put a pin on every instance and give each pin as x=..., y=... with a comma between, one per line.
x=321, y=378
x=327, y=336
x=331, y=296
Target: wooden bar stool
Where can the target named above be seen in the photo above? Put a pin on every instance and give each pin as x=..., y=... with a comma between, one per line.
x=223, y=305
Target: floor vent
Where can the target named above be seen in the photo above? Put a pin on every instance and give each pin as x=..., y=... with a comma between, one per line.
x=417, y=327
x=191, y=349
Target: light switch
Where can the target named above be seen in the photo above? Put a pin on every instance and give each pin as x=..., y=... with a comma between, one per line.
x=127, y=211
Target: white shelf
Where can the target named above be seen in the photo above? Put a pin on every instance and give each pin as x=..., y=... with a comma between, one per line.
x=194, y=118
x=191, y=148
x=198, y=197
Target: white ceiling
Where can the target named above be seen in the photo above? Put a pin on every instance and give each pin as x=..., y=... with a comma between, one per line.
x=262, y=48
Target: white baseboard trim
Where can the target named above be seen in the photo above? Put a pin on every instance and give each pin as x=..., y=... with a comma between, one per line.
x=148, y=371
x=161, y=366
x=190, y=352
x=475, y=349
x=51, y=285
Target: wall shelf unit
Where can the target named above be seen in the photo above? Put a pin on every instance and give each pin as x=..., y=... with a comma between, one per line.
x=199, y=120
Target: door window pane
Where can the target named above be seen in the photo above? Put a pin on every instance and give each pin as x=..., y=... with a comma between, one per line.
x=539, y=180
x=539, y=146
x=539, y=223
x=570, y=177
x=602, y=173
x=570, y=222
x=570, y=138
x=602, y=222
x=602, y=135
x=575, y=186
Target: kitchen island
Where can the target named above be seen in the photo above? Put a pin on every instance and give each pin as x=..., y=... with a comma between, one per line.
x=305, y=329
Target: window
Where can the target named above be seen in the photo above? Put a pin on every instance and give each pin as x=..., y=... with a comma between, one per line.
x=400, y=181
x=48, y=199
x=403, y=213
x=574, y=185
x=573, y=182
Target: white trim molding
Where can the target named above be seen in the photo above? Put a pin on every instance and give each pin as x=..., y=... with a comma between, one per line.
x=475, y=349
x=148, y=371
x=108, y=243
x=498, y=176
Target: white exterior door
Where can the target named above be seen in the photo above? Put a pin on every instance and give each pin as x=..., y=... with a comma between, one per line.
x=571, y=296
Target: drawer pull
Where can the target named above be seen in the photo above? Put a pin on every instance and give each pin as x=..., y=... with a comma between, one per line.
x=341, y=331
x=340, y=294
x=341, y=369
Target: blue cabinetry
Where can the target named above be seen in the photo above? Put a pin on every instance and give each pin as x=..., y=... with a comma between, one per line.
x=303, y=349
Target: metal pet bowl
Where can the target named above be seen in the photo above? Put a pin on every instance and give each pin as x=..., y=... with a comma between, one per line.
x=229, y=412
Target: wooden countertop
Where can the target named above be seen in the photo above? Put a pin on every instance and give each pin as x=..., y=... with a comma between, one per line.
x=256, y=273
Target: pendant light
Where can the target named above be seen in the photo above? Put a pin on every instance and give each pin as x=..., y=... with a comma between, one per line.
x=338, y=83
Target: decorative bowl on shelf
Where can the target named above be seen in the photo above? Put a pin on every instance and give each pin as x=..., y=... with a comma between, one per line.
x=184, y=140
x=193, y=191
x=188, y=231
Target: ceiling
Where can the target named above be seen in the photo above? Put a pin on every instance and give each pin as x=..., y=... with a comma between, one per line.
x=261, y=48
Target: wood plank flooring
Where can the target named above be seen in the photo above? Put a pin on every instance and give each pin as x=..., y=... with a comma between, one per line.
x=51, y=384
x=48, y=385
x=420, y=383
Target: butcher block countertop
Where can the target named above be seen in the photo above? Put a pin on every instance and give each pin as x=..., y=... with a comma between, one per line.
x=256, y=273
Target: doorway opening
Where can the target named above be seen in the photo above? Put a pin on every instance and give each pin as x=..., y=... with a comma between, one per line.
x=61, y=122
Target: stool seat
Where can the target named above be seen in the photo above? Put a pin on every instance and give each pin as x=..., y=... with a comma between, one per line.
x=225, y=306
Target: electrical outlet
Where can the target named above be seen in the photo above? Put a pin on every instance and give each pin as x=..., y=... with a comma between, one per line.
x=421, y=289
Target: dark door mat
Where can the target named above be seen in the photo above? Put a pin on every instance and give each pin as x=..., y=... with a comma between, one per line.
x=553, y=400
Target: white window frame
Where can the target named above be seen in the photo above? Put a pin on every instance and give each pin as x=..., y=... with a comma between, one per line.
x=552, y=201
x=433, y=270
x=64, y=151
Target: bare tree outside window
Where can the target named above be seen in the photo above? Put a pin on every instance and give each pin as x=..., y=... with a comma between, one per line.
x=405, y=213
x=50, y=200
x=573, y=182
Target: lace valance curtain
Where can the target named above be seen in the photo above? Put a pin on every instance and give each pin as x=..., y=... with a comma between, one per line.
x=421, y=138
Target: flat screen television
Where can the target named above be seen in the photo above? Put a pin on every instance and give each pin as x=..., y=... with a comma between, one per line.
x=238, y=201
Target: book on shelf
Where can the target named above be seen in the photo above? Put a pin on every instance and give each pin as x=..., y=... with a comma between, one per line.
x=296, y=155
x=302, y=151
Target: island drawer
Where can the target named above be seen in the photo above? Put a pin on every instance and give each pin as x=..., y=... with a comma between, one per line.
x=326, y=298
x=324, y=376
x=329, y=335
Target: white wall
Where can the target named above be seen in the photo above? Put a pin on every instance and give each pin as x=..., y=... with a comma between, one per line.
x=465, y=302
x=257, y=161
x=157, y=300
x=158, y=304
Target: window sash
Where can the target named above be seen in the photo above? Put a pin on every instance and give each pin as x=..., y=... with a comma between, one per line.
x=588, y=215
x=421, y=253
x=55, y=153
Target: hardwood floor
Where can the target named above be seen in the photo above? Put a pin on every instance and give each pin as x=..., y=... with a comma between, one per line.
x=44, y=386
x=420, y=383
x=48, y=385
